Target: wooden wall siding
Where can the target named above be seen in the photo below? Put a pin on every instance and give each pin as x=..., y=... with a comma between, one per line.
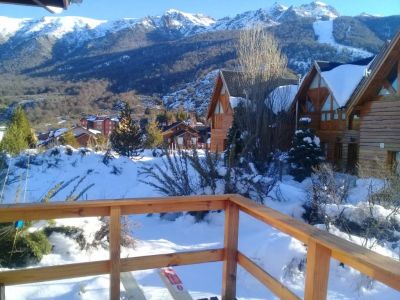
x=380, y=123
x=221, y=124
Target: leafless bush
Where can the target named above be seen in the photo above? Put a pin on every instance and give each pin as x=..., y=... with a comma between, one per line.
x=326, y=188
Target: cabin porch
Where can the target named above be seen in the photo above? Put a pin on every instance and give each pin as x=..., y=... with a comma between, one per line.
x=322, y=246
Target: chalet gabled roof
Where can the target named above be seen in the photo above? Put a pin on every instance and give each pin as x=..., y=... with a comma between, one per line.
x=341, y=78
x=379, y=68
x=234, y=83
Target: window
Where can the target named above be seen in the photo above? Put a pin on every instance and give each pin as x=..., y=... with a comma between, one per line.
x=218, y=108
x=394, y=158
x=331, y=110
x=309, y=106
x=324, y=149
x=338, y=152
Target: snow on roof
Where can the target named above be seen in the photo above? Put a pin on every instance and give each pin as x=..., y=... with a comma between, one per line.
x=343, y=80
x=234, y=101
x=60, y=131
x=94, y=131
x=282, y=97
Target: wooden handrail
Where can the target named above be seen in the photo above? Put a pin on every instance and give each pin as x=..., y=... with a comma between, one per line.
x=321, y=245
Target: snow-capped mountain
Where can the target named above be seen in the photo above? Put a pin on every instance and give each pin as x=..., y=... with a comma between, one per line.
x=185, y=24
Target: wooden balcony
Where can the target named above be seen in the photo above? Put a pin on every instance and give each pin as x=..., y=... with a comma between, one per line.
x=322, y=246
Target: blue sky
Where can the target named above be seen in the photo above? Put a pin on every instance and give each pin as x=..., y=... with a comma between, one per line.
x=113, y=9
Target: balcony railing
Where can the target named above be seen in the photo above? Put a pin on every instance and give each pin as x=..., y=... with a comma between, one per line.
x=322, y=246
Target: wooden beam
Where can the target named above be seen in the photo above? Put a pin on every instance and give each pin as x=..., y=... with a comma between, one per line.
x=266, y=279
x=33, y=275
x=379, y=267
x=171, y=259
x=230, y=246
x=317, y=274
x=103, y=267
x=115, y=252
x=98, y=208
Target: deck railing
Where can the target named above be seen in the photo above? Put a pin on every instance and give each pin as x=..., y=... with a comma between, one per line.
x=321, y=245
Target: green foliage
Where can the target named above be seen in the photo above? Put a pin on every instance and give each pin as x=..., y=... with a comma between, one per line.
x=154, y=137
x=181, y=115
x=18, y=248
x=19, y=135
x=69, y=139
x=126, y=139
x=304, y=154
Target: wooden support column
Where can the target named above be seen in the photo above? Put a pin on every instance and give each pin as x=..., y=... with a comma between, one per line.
x=230, y=249
x=115, y=250
x=318, y=259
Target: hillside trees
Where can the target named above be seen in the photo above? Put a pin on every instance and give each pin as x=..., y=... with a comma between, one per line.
x=19, y=134
x=69, y=139
x=126, y=139
x=154, y=137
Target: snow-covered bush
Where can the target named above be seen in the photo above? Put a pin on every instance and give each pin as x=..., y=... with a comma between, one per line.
x=305, y=154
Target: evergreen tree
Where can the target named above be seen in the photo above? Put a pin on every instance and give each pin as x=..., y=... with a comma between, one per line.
x=69, y=139
x=19, y=134
x=154, y=137
x=305, y=154
x=126, y=139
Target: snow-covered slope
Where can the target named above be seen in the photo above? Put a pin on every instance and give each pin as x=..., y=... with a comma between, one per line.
x=324, y=31
x=193, y=96
x=282, y=256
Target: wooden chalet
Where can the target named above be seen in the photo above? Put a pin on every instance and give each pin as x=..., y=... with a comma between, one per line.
x=180, y=135
x=322, y=99
x=229, y=91
x=355, y=108
x=374, y=109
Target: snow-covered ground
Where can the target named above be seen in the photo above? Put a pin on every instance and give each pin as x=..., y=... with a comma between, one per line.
x=324, y=31
x=279, y=254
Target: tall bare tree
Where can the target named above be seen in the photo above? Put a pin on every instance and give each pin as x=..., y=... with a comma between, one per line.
x=263, y=68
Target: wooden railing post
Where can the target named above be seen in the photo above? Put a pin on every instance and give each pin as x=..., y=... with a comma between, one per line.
x=230, y=247
x=317, y=274
x=115, y=250
x=2, y=292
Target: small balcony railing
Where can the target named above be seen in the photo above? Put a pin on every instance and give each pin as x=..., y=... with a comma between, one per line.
x=322, y=246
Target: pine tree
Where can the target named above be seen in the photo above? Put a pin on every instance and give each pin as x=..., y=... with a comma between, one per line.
x=305, y=154
x=235, y=144
x=126, y=139
x=69, y=139
x=154, y=137
x=19, y=134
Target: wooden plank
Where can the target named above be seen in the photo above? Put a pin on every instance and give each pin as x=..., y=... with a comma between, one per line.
x=317, y=273
x=174, y=284
x=266, y=279
x=132, y=289
x=33, y=275
x=370, y=263
x=103, y=267
x=115, y=252
x=230, y=245
x=171, y=259
x=97, y=208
